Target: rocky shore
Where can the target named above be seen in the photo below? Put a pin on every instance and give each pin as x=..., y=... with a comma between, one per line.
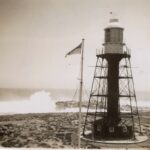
x=46, y=130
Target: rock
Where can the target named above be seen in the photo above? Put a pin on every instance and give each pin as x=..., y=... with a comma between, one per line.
x=44, y=145
x=10, y=143
x=68, y=136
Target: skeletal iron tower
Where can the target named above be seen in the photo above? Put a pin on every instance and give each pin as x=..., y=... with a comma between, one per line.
x=112, y=111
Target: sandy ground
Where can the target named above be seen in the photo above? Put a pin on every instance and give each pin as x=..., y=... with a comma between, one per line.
x=51, y=130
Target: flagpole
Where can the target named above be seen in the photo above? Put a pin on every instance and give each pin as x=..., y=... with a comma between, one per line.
x=80, y=94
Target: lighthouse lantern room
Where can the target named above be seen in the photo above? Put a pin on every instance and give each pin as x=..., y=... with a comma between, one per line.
x=114, y=37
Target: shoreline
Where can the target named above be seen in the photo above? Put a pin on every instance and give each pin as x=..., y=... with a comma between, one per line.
x=72, y=110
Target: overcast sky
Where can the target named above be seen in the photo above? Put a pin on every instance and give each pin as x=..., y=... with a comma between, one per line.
x=35, y=35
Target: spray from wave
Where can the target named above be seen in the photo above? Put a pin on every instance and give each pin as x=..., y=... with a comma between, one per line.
x=39, y=102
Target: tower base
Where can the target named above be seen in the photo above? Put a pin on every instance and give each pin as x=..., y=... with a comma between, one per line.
x=88, y=137
x=105, y=129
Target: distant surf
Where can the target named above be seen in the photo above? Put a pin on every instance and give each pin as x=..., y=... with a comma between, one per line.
x=22, y=101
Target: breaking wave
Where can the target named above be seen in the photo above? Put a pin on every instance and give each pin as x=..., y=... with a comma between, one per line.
x=39, y=102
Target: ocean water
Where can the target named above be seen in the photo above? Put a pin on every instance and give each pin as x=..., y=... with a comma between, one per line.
x=14, y=101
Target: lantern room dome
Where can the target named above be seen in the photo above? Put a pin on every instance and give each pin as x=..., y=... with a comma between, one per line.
x=113, y=23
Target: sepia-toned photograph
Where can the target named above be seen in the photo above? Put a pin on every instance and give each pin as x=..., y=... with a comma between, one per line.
x=74, y=74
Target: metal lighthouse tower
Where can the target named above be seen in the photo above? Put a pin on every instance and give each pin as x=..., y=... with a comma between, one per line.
x=112, y=112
